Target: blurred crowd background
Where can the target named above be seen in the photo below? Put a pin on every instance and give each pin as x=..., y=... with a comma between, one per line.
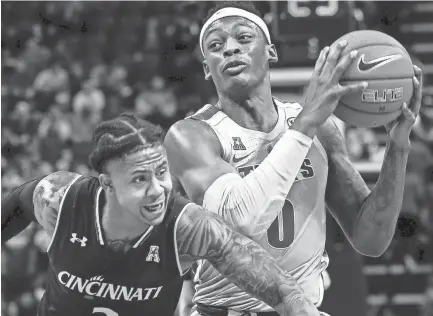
x=68, y=65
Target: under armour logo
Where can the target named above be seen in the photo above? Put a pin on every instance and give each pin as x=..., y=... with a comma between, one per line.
x=82, y=241
x=237, y=144
x=153, y=254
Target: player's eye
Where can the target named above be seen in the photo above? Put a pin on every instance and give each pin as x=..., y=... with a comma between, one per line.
x=244, y=36
x=139, y=179
x=161, y=172
x=214, y=45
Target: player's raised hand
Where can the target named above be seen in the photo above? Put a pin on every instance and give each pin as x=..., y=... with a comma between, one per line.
x=399, y=130
x=324, y=90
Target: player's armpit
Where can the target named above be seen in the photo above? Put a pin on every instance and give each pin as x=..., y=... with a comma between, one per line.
x=47, y=197
x=204, y=235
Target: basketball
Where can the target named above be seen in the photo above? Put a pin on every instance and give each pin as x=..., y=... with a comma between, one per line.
x=387, y=67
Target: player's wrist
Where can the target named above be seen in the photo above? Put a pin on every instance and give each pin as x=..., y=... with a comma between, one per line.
x=399, y=146
x=305, y=125
x=297, y=305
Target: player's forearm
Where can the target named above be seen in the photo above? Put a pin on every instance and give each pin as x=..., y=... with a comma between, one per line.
x=204, y=235
x=252, y=269
x=378, y=216
x=252, y=203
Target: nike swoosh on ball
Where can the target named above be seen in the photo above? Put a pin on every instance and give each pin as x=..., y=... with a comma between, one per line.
x=364, y=66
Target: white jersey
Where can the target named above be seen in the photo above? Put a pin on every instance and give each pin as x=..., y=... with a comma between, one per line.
x=296, y=239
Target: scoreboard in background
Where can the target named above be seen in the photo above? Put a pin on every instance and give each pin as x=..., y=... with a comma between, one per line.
x=300, y=29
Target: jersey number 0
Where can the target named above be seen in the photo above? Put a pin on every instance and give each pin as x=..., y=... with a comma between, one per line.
x=281, y=233
x=282, y=230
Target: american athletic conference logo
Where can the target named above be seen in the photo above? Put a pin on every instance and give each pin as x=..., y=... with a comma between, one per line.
x=290, y=121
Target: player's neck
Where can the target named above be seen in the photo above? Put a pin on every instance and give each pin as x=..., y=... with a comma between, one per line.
x=255, y=111
x=120, y=225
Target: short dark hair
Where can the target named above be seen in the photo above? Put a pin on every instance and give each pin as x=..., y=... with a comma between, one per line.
x=123, y=135
x=244, y=5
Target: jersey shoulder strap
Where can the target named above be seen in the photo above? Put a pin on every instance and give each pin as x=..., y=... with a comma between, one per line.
x=176, y=205
x=205, y=113
x=76, y=210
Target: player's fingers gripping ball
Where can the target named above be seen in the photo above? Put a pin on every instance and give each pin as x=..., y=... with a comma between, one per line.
x=385, y=64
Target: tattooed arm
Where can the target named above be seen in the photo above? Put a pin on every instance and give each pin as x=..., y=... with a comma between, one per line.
x=36, y=200
x=47, y=197
x=204, y=235
x=368, y=219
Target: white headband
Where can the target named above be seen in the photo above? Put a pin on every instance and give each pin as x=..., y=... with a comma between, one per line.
x=225, y=12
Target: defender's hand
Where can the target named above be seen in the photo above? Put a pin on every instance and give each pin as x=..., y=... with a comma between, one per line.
x=399, y=130
x=324, y=90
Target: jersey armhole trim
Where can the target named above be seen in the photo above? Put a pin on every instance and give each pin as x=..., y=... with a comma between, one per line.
x=181, y=272
x=320, y=148
x=60, y=211
x=222, y=151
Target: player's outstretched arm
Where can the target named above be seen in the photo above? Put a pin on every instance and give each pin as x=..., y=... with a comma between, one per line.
x=36, y=200
x=204, y=235
x=369, y=218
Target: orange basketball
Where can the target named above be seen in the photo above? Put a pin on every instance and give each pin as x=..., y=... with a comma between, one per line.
x=385, y=64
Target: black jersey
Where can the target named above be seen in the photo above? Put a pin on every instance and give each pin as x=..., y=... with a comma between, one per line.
x=86, y=278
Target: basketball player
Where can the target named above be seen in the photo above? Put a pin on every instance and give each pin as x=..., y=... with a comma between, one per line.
x=120, y=243
x=269, y=167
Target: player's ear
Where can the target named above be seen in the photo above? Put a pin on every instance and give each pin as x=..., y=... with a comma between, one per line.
x=106, y=183
x=272, y=53
x=206, y=70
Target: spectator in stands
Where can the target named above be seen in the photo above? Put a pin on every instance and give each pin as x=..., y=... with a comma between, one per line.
x=65, y=161
x=361, y=144
x=34, y=55
x=54, y=132
x=53, y=79
x=21, y=124
x=90, y=100
x=158, y=103
x=423, y=129
x=48, y=82
x=116, y=81
x=19, y=270
x=10, y=178
x=411, y=227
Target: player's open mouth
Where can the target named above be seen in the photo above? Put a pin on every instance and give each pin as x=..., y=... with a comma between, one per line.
x=154, y=208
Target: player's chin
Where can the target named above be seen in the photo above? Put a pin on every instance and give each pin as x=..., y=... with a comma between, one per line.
x=153, y=217
x=240, y=80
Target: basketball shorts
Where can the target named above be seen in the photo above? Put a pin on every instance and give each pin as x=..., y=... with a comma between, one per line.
x=194, y=312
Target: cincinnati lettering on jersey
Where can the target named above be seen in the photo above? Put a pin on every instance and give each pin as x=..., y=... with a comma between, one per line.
x=306, y=171
x=95, y=287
